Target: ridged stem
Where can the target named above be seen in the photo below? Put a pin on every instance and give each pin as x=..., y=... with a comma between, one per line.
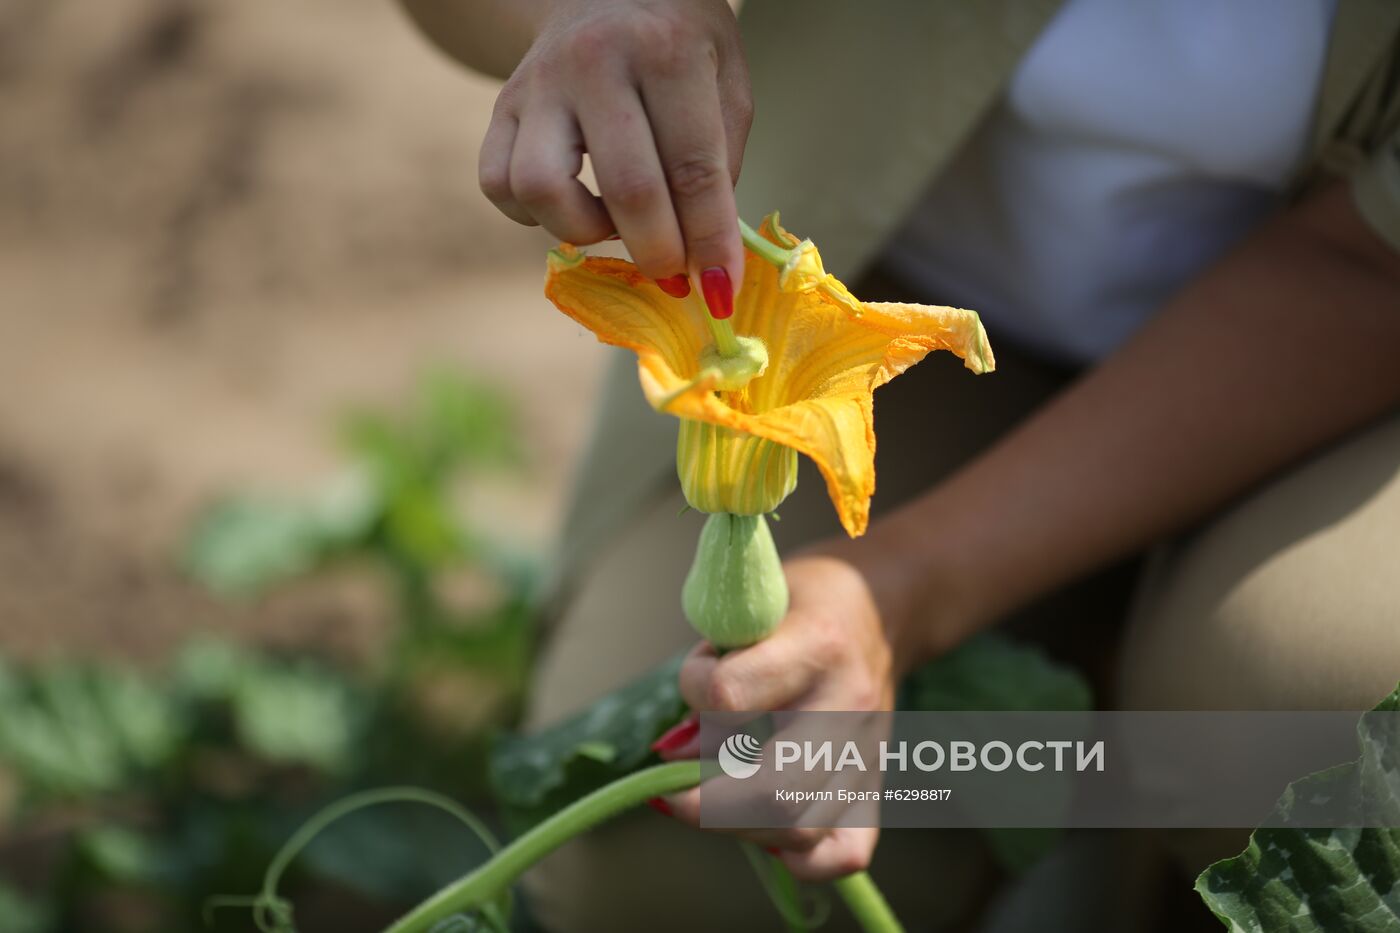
x=867, y=904
x=487, y=882
x=725, y=342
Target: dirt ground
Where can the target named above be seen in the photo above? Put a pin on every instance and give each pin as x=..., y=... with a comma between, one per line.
x=221, y=224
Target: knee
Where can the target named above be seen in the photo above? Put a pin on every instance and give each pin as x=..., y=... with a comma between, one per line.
x=1285, y=601
x=1287, y=634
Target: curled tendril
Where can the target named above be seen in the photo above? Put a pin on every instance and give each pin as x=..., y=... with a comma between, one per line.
x=272, y=913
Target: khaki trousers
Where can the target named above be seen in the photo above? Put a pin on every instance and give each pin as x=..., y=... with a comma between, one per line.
x=1288, y=599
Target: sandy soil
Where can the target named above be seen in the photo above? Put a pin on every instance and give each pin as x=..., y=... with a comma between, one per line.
x=220, y=224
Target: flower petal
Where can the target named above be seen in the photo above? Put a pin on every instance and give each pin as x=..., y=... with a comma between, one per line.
x=857, y=356
x=839, y=435
x=919, y=329
x=819, y=346
x=825, y=361
x=624, y=308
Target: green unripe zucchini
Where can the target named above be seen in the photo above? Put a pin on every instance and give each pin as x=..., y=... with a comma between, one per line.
x=735, y=594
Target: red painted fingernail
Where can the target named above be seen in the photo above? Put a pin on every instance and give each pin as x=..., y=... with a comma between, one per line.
x=660, y=806
x=773, y=851
x=615, y=236
x=719, y=292
x=678, y=736
x=677, y=286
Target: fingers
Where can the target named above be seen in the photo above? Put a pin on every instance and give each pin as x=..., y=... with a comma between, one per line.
x=630, y=178
x=774, y=674
x=493, y=167
x=544, y=167
x=837, y=854
x=685, y=807
x=661, y=104
x=679, y=742
x=810, y=853
x=683, y=105
x=761, y=677
x=736, y=100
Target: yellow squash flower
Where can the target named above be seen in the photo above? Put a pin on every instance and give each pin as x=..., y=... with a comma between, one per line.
x=823, y=353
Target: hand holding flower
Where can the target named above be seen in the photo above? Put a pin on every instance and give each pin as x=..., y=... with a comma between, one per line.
x=831, y=652
x=657, y=94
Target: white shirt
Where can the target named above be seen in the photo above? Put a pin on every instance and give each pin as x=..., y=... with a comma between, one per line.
x=1138, y=140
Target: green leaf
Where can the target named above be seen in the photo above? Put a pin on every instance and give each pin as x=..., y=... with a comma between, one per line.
x=244, y=545
x=143, y=721
x=210, y=669
x=22, y=914
x=419, y=524
x=297, y=716
x=456, y=423
x=535, y=774
x=72, y=729
x=459, y=923
x=469, y=422
x=991, y=672
x=247, y=544
x=1299, y=880
x=119, y=854
x=994, y=673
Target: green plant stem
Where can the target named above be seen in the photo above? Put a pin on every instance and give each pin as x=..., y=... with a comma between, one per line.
x=867, y=904
x=723, y=332
x=486, y=883
x=769, y=251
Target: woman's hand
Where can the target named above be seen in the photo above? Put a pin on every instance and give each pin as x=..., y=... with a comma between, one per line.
x=831, y=652
x=657, y=94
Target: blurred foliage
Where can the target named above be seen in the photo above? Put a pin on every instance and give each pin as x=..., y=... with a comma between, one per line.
x=393, y=504
x=133, y=796
x=393, y=509
x=991, y=672
x=141, y=795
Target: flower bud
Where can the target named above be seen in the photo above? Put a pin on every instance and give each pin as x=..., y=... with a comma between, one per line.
x=723, y=470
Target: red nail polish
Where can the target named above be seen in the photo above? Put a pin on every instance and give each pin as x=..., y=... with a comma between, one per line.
x=678, y=736
x=719, y=292
x=615, y=236
x=677, y=286
x=773, y=851
x=660, y=806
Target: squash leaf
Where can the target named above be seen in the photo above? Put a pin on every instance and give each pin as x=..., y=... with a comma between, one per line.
x=535, y=775
x=1294, y=879
x=994, y=673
